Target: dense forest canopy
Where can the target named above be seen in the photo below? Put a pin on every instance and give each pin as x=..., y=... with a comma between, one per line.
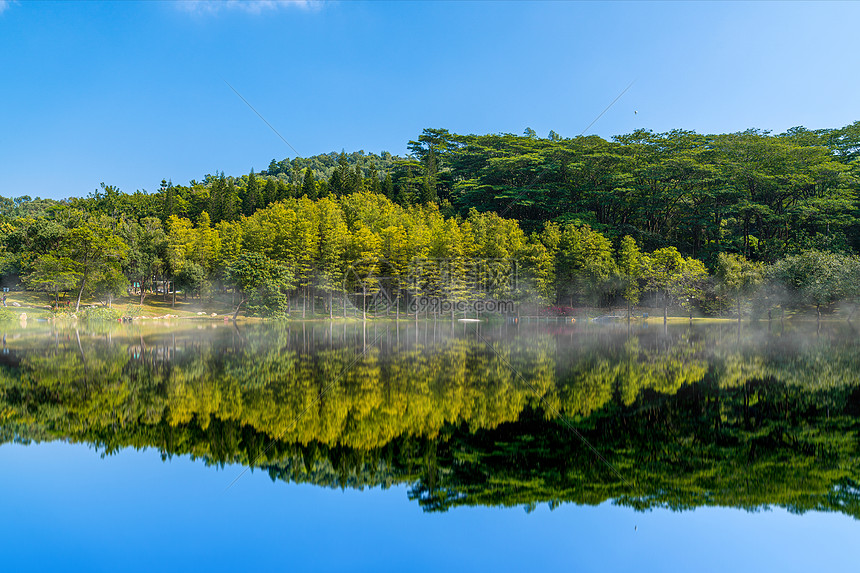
x=678, y=219
x=691, y=416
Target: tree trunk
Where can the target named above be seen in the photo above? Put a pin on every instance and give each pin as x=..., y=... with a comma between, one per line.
x=80, y=294
x=238, y=306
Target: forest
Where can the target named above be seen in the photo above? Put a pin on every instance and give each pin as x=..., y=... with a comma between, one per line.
x=695, y=224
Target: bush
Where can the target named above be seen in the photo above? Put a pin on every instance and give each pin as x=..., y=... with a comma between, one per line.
x=100, y=313
x=6, y=314
x=61, y=308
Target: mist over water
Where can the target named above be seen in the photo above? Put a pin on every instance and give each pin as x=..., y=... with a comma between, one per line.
x=494, y=414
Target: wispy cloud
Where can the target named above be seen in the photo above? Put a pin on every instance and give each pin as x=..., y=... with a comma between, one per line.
x=247, y=6
x=4, y=4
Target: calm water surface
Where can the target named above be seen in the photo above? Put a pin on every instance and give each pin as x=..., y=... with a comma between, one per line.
x=425, y=446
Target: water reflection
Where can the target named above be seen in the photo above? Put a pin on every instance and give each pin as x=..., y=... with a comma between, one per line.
x=465, y=414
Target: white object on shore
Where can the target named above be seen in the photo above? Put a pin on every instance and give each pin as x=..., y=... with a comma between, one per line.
x=468, y=320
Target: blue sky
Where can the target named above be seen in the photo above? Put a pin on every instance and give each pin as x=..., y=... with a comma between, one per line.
x=129, y=93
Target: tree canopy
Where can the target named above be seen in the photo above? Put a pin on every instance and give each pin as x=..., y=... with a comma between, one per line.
x=663, y=219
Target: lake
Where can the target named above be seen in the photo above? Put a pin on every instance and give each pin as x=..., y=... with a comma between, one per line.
x=426, y=446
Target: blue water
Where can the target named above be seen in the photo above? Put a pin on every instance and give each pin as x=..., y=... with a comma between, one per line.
x=67, y=508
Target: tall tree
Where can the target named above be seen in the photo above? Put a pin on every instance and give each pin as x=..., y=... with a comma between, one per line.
x=428, y=185
x=270, y=192
x=309, y=186
x=223, y=199
x=147, y=244
x=584, y=263
x=388, y=186
x=251, y=196
x=357, y=180
x=52, y=274
x=630, y=268
x=818, y=278
x=374, y=184
x=738, y=277
x=678, y=280
x=168, y=193
x=262, y=283
x=96, y=250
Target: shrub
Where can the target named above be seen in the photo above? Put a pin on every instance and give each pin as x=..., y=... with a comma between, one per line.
x=100, y=313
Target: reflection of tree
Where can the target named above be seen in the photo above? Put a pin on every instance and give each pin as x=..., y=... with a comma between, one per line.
x=591, y=379
x=687, y=419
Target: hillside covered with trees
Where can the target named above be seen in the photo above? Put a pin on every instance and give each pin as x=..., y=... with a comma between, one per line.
x=694, y=222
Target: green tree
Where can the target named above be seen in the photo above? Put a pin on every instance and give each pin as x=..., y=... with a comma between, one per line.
x=96, y=251
x=52, y=274
x=357, y=180
x=374, y=184
x=108, y=284
x=738, y=277
x=191, y=278
x=818, y=278
x=309, y=186
x=535, y=272
x=169, y=199
x=333, y=237
x=180, y=241
x=363, y=255
x=270, y=192
x=252, y=197
x=147, y=244
x=428, y=185
x=223, y=199
x=388, y=186
x=262, y=282
x=584, y=263
x=630, y=268
x=676, y=279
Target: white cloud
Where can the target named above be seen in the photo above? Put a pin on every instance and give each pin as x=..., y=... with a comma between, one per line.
x=4, y=4
x=247, y=6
